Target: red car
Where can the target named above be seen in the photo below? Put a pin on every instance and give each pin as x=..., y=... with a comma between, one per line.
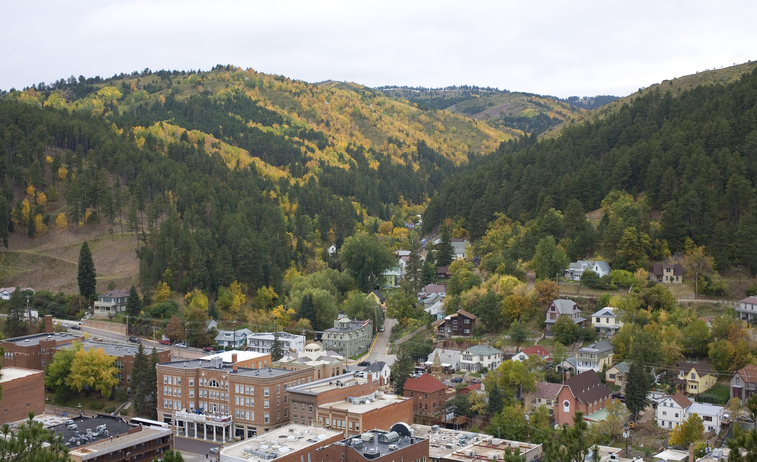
x=164, y=342
x=209, y=349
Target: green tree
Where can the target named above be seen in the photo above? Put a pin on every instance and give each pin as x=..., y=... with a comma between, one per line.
x=696, y=338
x=151, y=385
x=5, y=220
x=133, y=303
x=565, y=330
x=743, y=244
x=509, y=424
x=86, y=276
x=139, y=377
x=172, y=456
x=307, y=310
x=549, y=259
x=15, y=325
x=690, y=431
x=721, y=355
x=57, y=372
x=518, y=332
x=401, y=307
x=277, y=351
x=496, y=403
x=743, y=441
x=365, y=259
x=445, y=253
x=402, y=368
x=32, y=442
x=413, y=280
x=569, y=443
x=638, y=386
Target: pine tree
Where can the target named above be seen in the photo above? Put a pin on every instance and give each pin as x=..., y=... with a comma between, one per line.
x=5, y=219
x=133, y=303
x=15, y=325
x=139, y=378
x=277, y=352
x=496, y=403
x=637, y=388
x=402, y=368
x=445, y=253
x=86, y=276
x=307, y=310
x=414, y=268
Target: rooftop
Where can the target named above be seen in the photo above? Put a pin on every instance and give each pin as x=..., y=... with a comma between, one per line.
x=139, y=435
x=482, y=350
x=265, y=372
x=704, y=409
x=319, y=386
x=443, y=441
x=114, y=349
x=86, y=430
x=115, y=294
x=276, y=443
x=36, y=338
x=365, y=405
x=603, y=345
x=426, y=383
x=487, y=448
x=13, y=373
x=241, y=355
x=377, y=443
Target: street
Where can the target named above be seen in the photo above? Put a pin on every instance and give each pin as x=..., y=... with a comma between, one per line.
x=381, y=346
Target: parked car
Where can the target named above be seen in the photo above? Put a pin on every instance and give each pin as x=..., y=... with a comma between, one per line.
x=164, y=342
x=135, y=340
x=181, y=345
x=209, y=349
x=457, y=379
x=75, y=327
x=381, y=329
x=214, y=450
x=364, y=363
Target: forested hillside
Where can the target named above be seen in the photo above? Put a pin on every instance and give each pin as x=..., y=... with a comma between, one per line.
x=659, y=169
x=525, y=112
x=223, y=175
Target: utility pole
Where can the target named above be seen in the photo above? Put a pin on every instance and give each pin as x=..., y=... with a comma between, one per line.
x=29, y=313
x=127, y=327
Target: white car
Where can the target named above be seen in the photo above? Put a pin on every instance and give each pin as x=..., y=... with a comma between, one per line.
x=214, y=450
x=181, y=345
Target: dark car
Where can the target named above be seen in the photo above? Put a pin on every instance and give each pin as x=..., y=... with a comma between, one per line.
x=135, y=340
x=364, y=363
x=209, y=350
x=457, y=379
x=619, y=396
x=164, y=342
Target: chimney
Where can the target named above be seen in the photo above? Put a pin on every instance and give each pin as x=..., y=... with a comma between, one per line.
x=234, y=367
x=567, y=375
x=48, y=324
x=233, y=358
x=691, y=453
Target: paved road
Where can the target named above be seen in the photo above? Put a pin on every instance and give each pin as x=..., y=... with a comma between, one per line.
x=381, y=347
x=176, y=353
x=195, y=450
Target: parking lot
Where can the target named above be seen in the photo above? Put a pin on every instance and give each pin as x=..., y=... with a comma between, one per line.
x=196, y=449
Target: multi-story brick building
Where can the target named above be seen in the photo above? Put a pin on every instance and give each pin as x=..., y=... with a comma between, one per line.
x=23, y=391
x=291, y=443
x=349, y=403
x=398, y=444
x=218, y=400
x=429, y=394
x=124, y=355
x=109, y=439
x=35, y=351
x=321, y=363
x=583, y=392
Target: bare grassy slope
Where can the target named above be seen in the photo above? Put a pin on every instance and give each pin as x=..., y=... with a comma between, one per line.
x=49, y=261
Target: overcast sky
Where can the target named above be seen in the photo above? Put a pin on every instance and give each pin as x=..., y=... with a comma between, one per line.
x=561, y=48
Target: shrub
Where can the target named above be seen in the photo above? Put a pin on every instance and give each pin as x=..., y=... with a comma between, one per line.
x=110, y=410
x=97, y=406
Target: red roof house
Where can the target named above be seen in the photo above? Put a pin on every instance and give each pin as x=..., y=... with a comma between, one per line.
x=583, y=392
x=429, y=394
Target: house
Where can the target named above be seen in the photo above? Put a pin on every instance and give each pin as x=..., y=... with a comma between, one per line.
x=6, y=292
x=606, y=322
x=233, y=338
x=449, y=358
x=442, y=272
x=667, y=273
x=595, y=356
x=211, y=324
x=262, y=342
x=545, y=395
x=583, y=392
x=429, y=394
x=469, y=388
x=671, y=410
x=460, y=323
x=431, y=300
x=618, y=374
x=695, y=378
x=381, y=372
x=436, y=311
x=534, y=350
x=747, y=308
x=567, y=366
x=391, y=277
x=379, y=296
x=478, y=357
x=111, y=303
x=674, y=410
x=576, y=269
x=431, y=289
x=332, y=249
x=459, y=246
x=744, y=383
x=562, y=307
x=348, y=337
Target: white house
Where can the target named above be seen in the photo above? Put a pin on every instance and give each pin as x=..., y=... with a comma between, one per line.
x=381, y=372
x=576, y=269
x=477, y=357
x=606, y=322
x=671, y=410
x=450, y=359
x=263, y=341
x=711, y=415
x=747, y=308
x=6, y=292
x=236, y=339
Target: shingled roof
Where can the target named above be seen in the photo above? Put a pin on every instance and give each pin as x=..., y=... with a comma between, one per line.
x=748, y=373
x=424, y=384
x=587, y=387
x=681, y=399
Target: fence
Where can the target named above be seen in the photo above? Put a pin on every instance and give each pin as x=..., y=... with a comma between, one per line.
x=415, y=332
x=105, y=325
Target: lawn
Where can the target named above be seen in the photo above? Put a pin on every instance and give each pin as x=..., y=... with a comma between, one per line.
x=91, y=403
x=547, y=342
x=718, y=394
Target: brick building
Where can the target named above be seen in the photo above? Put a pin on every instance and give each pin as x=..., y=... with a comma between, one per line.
x=429, y=394
x=23, y=390
x=218, y=400
x=398, y=444
x=35, y=351
x=583, y=392
x=460, y=323
x=110, y=439
x=291, y=443
x=322, y=364
x=348, y=403
x=124, y=355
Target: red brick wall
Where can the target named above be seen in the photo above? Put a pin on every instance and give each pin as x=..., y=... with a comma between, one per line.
x=295, y=456
x=427, y=403
x=21, y=396
x=383, y=418
x=342, y=393
x=339, y=453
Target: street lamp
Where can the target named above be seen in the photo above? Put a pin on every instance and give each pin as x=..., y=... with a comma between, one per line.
x=626, y=434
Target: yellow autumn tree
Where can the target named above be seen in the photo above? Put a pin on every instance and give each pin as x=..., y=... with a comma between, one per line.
x=62, y=172
x=162, y=292
x=95, y=369
x=282, y=316
x=196, y=300
x=25, y=210
x=30, y=190
x=230, y=300
x=41, y=198
x=39, y=225
x=61, y=222
x=264, y=297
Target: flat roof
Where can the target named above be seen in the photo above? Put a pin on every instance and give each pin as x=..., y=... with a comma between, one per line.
x=106, y=446
x=116, y=349
x=671, y=455
x=383, y=401
x=319, y=386
x=114, y=426
x=489, y=447
x=241, y=355
x=444, y=440
x=276, y=443
x=27, y=340
x=13, y=373
x=382, y=443
x=264, y=372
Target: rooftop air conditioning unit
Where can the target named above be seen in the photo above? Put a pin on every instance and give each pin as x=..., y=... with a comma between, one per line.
x=393, y=447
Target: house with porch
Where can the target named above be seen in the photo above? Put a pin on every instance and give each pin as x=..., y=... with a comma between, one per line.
x=477, y=357
x=562, y=307
x=747, y=309
x=667, y=273
x=576, y=269
x=695, y=378
x=595, y=356
x=618, y=375
x=460, y=323
x=744, y=383
x=111, y=303
x=606, y=322
x=233, y=338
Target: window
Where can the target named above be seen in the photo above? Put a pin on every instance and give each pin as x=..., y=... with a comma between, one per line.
x=265, y=404
x=266, y=418
x=278, y=389
x=265, y=392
